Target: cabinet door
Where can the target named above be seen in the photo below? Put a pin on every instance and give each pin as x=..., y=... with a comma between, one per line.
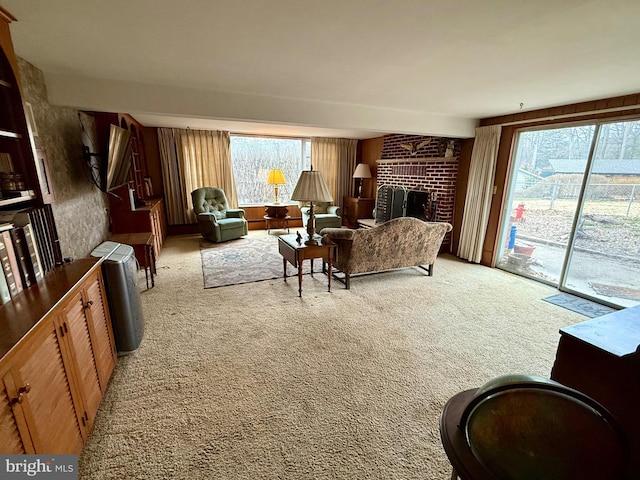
x=100, y=329
x=91, y=340
x=14, y=434
x=51, y=405
x=82, y=346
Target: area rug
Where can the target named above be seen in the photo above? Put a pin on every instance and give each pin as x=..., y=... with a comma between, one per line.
x=578, y=305
x=245, y=260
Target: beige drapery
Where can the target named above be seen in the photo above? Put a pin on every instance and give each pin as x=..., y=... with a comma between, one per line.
x=174, y=198
x=479, y=191
x=335, y=158
x=200, y=158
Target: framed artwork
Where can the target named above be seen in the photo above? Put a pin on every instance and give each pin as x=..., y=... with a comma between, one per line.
x=31, y=122
x=44, y=177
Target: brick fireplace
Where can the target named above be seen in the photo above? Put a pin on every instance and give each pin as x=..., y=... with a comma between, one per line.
x=426, y=169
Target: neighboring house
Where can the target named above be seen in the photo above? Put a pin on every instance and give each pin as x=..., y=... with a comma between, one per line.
x=608, y=167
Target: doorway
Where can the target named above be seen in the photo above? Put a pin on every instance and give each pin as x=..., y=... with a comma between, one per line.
x=572, y=216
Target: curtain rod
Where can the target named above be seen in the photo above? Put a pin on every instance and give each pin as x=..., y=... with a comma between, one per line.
x=237, y=134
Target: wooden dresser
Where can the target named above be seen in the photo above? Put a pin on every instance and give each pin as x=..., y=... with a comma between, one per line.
x=57, y=354
x=146, y=218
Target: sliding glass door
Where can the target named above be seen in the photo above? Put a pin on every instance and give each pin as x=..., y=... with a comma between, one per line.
x=605, y=258
x=572, y=216
x=547, y=174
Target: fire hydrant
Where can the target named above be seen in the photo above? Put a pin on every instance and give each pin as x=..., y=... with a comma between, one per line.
x=519, y=211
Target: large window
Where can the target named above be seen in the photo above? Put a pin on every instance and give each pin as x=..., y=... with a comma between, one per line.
x=252, y=159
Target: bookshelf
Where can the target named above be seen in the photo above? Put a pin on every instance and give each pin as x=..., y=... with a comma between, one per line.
x=29, y=241
x=19, y=183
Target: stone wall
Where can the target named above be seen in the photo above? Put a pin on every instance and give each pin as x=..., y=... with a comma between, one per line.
x=79, y=207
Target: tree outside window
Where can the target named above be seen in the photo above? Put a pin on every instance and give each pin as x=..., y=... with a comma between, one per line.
x=253, y=157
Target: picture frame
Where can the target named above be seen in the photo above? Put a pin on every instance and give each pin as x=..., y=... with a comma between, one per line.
x=31, y=121
x=44, y=177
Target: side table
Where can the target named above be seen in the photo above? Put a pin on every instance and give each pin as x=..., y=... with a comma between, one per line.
x=276, y=214
x=295, y=253
x=355, y=208
x=142, y=244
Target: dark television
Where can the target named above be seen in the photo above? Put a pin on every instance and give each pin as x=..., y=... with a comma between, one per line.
x=111, y=170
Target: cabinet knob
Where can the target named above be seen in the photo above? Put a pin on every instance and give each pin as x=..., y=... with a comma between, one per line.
x=22, y=391
x=88, y=304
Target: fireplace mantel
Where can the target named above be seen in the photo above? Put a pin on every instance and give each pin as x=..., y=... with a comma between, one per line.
x=417, y=160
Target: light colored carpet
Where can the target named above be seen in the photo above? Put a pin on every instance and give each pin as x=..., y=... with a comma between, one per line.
x=252, y=382
x=245, y=260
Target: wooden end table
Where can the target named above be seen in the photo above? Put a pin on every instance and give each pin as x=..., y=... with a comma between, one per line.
x=276, y=215
x=296, y=252
x=142, y=244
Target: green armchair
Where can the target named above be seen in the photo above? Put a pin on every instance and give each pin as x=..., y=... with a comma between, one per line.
x=217, y=222
x=326, y=215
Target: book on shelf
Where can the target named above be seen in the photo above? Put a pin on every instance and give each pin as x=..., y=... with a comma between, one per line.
x=44, y=233
x=36, y=263
x=5, y=294
x=6, y=226
x=10, y=264
x=25, y=267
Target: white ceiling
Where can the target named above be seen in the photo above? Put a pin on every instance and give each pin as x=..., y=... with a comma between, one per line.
x=356, y=67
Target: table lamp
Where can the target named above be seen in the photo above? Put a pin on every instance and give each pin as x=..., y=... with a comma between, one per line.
x=276, y=178
x=362, y=171
x=311, y=187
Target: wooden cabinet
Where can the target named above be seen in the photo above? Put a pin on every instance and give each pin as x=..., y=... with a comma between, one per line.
x=146, y=218
x=56, y=359
x=354, y=208
x=600, y=358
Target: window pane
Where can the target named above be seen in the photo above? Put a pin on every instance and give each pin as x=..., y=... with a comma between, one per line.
x=252, y=159
x=605, y=261
x=544, y=189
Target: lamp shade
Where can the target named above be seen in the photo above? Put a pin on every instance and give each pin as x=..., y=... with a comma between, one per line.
x=311, y=187
x=275, y=177
x=362, y=171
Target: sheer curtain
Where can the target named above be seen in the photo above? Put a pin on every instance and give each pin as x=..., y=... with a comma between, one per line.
x=199, y=158
x=479, y=192
x=335, y=158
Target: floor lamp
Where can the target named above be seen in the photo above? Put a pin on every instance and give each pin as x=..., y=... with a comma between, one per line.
x=362, y=171
x=311, y=187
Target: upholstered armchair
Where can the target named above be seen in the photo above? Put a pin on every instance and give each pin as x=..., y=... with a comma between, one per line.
x=326, y=215
x=217, y=222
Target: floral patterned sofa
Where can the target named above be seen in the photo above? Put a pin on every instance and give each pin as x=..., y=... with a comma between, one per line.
x=399, y=243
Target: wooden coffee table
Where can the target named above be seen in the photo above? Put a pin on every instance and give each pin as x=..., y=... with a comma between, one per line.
x=296, y=252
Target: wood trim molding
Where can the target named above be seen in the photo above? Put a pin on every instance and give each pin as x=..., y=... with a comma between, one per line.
x=418, y=160
x=604, y=107
x=6, y=16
